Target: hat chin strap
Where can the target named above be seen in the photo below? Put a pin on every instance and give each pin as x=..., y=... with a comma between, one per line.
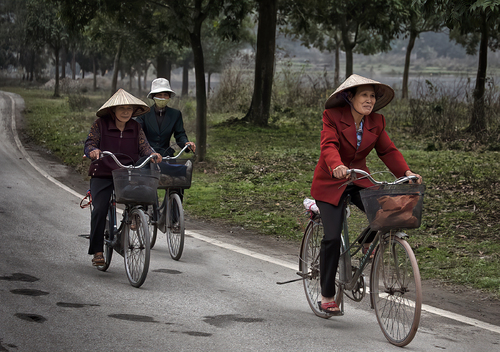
x=350, y=104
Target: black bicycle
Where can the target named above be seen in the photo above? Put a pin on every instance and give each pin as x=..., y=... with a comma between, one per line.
x=135, y=187
x=168, y=216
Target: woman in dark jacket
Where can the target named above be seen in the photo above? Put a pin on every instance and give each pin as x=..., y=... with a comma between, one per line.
x=159, y=124
x=351, y=129
x=116, y=132
x=162, y=121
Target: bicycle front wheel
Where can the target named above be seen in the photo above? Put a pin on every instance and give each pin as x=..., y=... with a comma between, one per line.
x=136, y=247
x=309, y=262
x=396, y=290
x=175, y=226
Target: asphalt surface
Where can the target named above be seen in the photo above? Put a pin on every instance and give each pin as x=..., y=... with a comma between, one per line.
x=221, y=296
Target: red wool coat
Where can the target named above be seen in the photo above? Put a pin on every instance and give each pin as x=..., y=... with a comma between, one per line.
x=338, y=146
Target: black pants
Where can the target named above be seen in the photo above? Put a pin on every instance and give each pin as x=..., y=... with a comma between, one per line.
x=101, y=190
x=332, y=217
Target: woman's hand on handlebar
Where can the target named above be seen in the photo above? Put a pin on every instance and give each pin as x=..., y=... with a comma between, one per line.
x=192, y=146
x=340, y=172
x=157, y=158
x=410, y=173
x=95, y=154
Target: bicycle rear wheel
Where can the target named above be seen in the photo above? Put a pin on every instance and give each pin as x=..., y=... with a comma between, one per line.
x=108, y=250
x=136, y=247
x=309, y=262
x=175, y=226
x=396, y=290
x=152, y=218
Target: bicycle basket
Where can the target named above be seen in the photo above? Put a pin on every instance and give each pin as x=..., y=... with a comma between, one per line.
x=393, y=206
x=180, y=173
x=135, y=186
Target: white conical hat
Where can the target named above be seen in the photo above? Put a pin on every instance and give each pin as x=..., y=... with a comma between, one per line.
x=160, y=85
x=383, y=92
x=122, y=97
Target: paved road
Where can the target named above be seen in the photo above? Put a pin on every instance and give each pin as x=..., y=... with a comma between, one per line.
x=221, y=296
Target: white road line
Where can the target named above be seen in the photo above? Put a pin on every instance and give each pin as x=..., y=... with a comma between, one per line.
x=241, y=250
x=29, y=159
x=425, y=308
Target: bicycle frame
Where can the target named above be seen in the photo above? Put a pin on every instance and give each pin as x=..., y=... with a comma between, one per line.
x=348, y=278
x=346, y=275
x=115, y=241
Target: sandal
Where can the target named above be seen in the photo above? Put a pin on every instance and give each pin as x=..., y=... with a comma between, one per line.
x=330, y=308
x=98, y=260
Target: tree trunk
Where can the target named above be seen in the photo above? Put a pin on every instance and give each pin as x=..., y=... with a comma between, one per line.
x=32, y=66
x=56, y=87
x=336, y=75
x=260, y=107
x=116, y=67
x=130, y=73
x=406, y=72
x=209, y=75
x=201, y=95
x=146, y=68
x=73, y=66
x=169, y=70
x=161, y=66
x=64, y=59
x=185, y=79
x=478, y=118
x=139, y=78
x=94, y=70
x=348, y=46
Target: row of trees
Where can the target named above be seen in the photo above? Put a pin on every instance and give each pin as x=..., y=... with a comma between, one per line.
x=133, y=34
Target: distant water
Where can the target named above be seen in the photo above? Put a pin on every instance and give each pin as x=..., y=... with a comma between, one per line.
x=450, y=85
x=459, y=86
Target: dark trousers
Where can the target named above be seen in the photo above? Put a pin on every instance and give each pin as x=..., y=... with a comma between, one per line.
x=101, y=190
x=332, y=217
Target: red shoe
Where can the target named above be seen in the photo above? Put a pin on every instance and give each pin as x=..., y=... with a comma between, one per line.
x=330, y=308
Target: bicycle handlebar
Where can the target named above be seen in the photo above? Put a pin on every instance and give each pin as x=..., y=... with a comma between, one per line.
x=365, y=174
x=128, y=166
x=186, y=147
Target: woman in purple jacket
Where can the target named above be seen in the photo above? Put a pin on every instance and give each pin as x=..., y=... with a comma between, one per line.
x=114, y=131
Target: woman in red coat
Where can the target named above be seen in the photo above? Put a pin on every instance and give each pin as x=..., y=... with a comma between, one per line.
x=351, y=129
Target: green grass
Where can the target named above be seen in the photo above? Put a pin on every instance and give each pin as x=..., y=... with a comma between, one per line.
x=257, y=178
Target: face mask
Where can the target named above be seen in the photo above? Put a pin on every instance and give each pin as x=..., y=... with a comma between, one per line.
x=161, y=103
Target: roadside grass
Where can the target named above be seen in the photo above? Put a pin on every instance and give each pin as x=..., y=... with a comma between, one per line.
x=52, y=123
x=257, y=178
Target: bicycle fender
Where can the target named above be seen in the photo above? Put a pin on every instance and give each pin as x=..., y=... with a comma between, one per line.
x=399, y=234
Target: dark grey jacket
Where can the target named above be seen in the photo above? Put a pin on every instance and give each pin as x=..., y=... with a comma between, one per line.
x=159, y=137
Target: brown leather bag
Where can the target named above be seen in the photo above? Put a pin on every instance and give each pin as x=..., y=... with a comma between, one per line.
x=396, y=211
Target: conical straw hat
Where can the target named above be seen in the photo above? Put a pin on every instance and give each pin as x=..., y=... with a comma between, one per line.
x=122, y=97
x=383, y=92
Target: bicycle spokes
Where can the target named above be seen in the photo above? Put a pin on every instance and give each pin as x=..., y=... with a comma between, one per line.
x=396, y=291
